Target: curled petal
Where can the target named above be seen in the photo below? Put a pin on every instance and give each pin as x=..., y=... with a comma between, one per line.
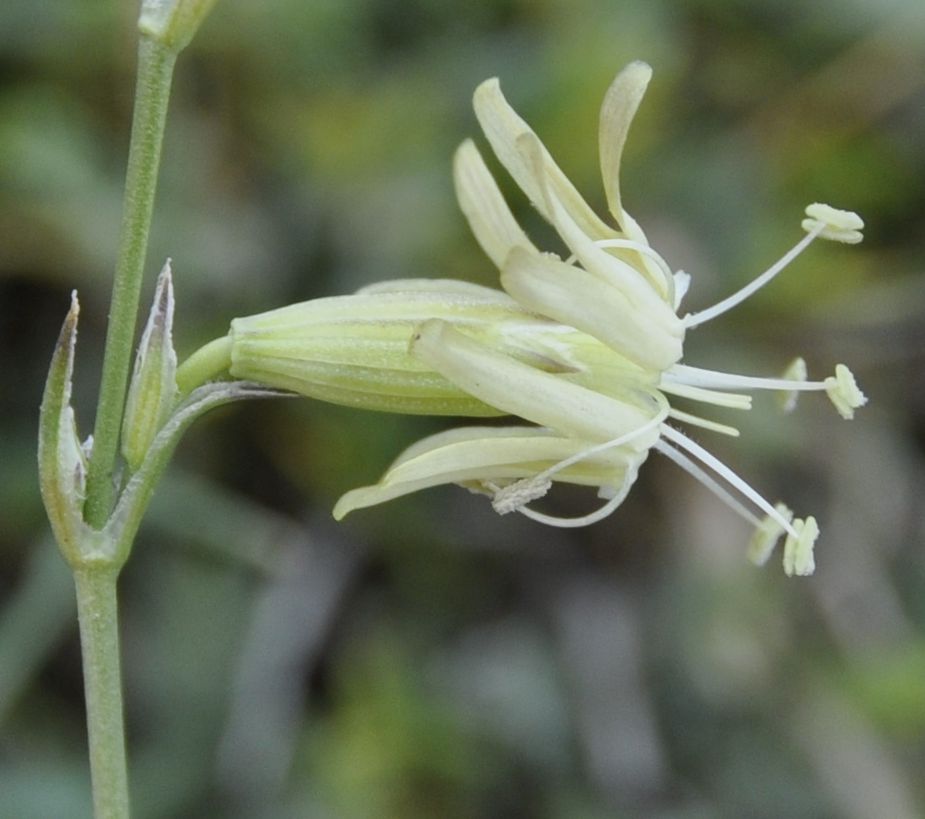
x=631, y=279
x=617, y=112
x=489, y=217
x=503, y=128
x=519, y=389
x=488, y=454
x=575, y=297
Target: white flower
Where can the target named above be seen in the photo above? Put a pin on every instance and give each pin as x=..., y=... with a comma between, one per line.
x=614, y=288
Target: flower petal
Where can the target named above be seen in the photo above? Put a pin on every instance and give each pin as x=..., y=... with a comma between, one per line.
x=503, y=127
x=646, y=291
x=617, y=112
x=519, y=389
x=482, y=454
x=489, y=217
x=573, y=296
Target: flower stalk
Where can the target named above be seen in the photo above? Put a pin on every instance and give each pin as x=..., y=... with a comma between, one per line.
x=99, y=643
x=155, y=70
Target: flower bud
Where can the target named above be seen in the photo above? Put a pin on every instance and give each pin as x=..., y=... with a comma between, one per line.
x=153, y=390
x=62, y=462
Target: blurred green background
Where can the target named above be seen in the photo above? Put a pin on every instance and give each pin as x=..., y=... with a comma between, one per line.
x=427, y=658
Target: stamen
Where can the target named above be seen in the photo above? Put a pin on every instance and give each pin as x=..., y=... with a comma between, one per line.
x=727, y=474
x=707, y=480
x=844, y=393
x=766, y=536
x=798, y=548
x=731, y=400
x=645, y=250
x=515, y=496
x=834, y=224
x=695, y=319
x=639, y=247
x=711, y=379
x=574, y=523
x=697, y=421
x=682, y=281
x=796, y=371
x=512, y=497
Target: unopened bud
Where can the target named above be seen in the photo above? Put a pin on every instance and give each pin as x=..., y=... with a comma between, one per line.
x=153, y=390
x=62, y=463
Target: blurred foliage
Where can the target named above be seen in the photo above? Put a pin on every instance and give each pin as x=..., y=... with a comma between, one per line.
x=428, y=659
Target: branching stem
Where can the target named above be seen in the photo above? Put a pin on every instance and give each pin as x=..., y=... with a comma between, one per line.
x=155, y=70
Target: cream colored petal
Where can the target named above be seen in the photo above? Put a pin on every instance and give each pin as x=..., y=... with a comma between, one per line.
x=617, y=112
x=573, y=296
x=449, y=288
x=518, y=389
x=490, y=219
x=482, y=454
x=401, y=300
x=631, y=281
x=503, y=127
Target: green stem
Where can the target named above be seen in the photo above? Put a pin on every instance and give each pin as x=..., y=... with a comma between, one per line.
x=155, y=70
x=99, y=639
x=206, y=364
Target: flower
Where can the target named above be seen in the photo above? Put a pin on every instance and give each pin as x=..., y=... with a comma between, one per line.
x=354, y=350
x=614, y=287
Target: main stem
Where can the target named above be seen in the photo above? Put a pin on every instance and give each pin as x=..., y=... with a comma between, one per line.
x=155, y=70
x=99, y=640
x=96, y=584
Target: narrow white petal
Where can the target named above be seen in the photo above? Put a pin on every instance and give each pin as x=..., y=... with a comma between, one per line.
x=490, y=219
x=575, y=297
x=438, y=287
x=485, y=454
x=632, y=282
x=503, y=127
x=617, y=112
x=521, y=390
